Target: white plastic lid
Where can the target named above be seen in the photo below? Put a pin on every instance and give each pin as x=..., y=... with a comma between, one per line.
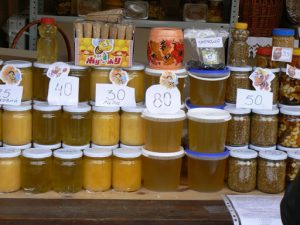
x=240, y=69
x=6, y=152
x=138, y=147
x=112, y=147
x=41, y=65
x=45, y=107
x=294, y=154
x=20, y=147
x=208, y=115
x=36, y=102
x=233, y=110
x=209, y=78
x=243, y=154
x=292, y=111
x=19, y=63
x=273, y=111
x=245, y=147
x=181, y=73
x=135, y=66
x=286, y=149
x=37, y=153
x=102, y=68
x=29, y=102
x=273, y=155
x=163, y=155
x=127, y=153
x=55, y=146
x=67, y=153
x=105, y=109
x=136, y=109
x=81, y=147
x=17, y=108
x=294, y=106
x=97, y=153
x=80, y=108
x=74, y=67
x=283, y=70
x=257, y=148
x=180, y=115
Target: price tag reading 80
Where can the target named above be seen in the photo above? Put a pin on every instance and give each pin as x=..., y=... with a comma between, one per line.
x=160, y=99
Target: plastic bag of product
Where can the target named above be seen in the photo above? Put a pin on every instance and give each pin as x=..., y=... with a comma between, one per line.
x=206, y=47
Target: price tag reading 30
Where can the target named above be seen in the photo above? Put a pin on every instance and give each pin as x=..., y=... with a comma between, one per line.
x=10, y=94
x=160, y=99
x=254, y=99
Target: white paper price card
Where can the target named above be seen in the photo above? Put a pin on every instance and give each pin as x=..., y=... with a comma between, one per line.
x=114, y=95
x=160, y=99
x=282, y=54
x=254, y=99
x=10, y=94
x=214, y=42
x=63, y=91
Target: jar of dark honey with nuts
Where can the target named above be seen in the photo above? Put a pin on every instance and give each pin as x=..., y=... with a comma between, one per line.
x=289, y=90
x=293, y=165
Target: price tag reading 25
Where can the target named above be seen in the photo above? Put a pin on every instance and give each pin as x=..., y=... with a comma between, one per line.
x=254, y=99
x=160, y=99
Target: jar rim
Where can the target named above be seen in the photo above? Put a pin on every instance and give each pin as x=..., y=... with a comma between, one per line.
x=80, y=108
x=208, y=115
x=37, y=153
x=8, y=152
x=163, y=155
x=233, y=110
x=290, y=111
x=207, y=156
x=20, y=64
x=112, y=147
x=17, y=108
x=127, y=153
x=67, y=153
x=273, y=155
x=45, y=107
x=180, y=115
x=243, y=153
x=105, y=109
x=97, y=153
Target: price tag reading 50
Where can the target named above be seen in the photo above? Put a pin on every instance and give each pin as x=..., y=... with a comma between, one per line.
x=160, y=99
x=254, y=99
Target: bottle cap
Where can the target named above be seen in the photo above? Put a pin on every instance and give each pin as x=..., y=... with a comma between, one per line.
x=46, y=20
x=266, y=51
x=242, y=26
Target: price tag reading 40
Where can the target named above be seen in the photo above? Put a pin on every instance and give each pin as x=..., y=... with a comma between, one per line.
x=63, y=91
x=254, y=99
x=160, y=99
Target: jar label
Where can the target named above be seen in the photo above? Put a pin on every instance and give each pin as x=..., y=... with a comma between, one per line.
x=261, y=79
x=11, y=75
x=282, y=54
x=293, y=72
x=58, y=70
x=118, y=76
x=214, y=42
x=168, y=79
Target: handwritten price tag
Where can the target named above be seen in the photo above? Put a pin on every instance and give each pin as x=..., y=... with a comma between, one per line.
x=10, y=94
x=160, y=99
x=282, y=54
x=63, y=91
x=114, y=95
x=254, y=99
x=215, y=42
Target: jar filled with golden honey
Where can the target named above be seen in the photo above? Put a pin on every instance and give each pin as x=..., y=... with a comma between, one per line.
x=207, y=129
x=67, y=172
x=77, y=125
x=36, y=170
x=40, y=81
x=17, y=124
x=132, y=126
x=99, y=75
x=83, y=74
x=163, y=131
x=25, y=68
x=127, y=170
x=46, y=124
x=161, y=171
x=136, y=76
x=106, y=125
x=201, y=176
x=10, y=170
x=97, y=169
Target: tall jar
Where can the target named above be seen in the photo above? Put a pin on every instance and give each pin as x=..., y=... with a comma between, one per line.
x=264, y=126
x=40, y=81
x=238, y=132
x=283, y=37
x=239, y=78
x=242, y=168
x=17, y=125
x=26, y=77
x=293, y=165
x=271, y=171
x=289, y=90
x=165, y=48
x=77, y=125
x=99, y=75
x=263, y=58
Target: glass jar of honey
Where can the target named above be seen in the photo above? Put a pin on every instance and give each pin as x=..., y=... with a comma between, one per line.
x=136, y=76
x=106, y=125
x=99, y=75
x=132, y=126
x=40, y=81
x=67, y=172
x=293, y=165
x=77, y=125
x=207, y=129
x=283, y=37
x=97, y=169
x=26, y=77
x=127, y=170
x=10, y=170
x=264, y=58
x=289, y=90
x=36, y=170
x=17, y=124
x=46, y=121
x=163, y=131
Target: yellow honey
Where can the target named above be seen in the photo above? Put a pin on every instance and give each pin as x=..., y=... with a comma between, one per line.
x=99, y=75
x=40, y=81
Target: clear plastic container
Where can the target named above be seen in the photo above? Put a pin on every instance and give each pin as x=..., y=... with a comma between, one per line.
x=132, y=126
x=46, y=124
x=127, y=170
x=10, y=170
x=97, y=169
x=36, y=170
x=293, y=165
x=77, y=125
x=283, y=37
x=17, y=124
x=271, y=171
x=67, y=172
x=99, y=75
x=161, y=171
x=208, y=87
x=289, y=90
x=106, y=125
x=238, y=131
x=40, y=81
x=242, y=168
x=207, y=129
x=201, y=176
x=163, y=131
